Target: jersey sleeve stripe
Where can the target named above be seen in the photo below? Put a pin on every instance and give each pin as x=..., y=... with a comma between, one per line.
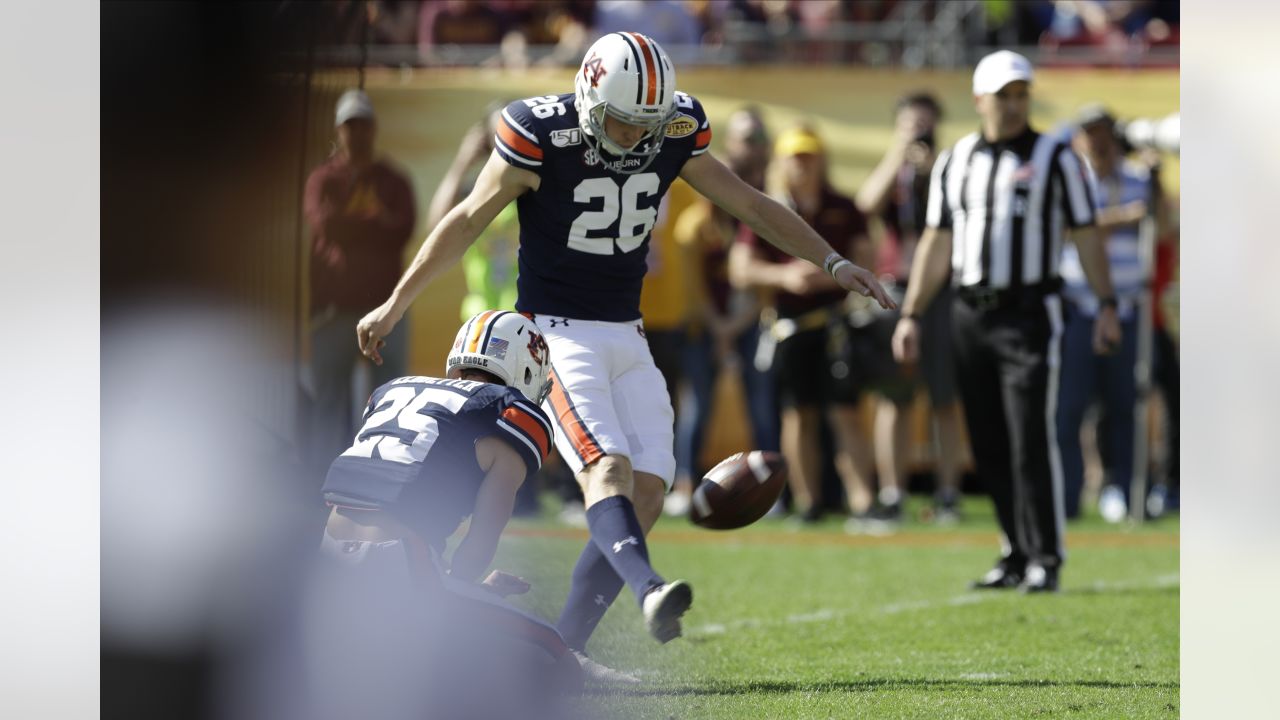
x=517, y=434
x=506, y=116
x=511, y=156
x=536, y=414
x=702, y=140
x=570, y=423
x=517, y=142
x=651, y=70
x=531, y=427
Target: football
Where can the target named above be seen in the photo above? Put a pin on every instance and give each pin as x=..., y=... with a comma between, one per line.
x=739, y=490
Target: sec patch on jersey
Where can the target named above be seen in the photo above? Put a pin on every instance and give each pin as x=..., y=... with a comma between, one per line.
x=739, y=490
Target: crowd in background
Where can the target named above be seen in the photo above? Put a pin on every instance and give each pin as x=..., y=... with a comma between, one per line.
x=440, y=32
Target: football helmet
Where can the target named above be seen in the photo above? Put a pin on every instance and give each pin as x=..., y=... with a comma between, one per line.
x=507, y=345
x=628, y=76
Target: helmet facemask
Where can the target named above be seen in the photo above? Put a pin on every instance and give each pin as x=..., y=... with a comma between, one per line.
x=647, y=148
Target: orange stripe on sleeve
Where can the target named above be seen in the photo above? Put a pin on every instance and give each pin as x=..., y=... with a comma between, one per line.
x=702, y=140
x=518, y=142
x=582, y=442
x=650, y=68
x=530, y=426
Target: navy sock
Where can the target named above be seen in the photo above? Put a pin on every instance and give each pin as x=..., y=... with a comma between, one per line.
x=593, y=589
x=616, y=531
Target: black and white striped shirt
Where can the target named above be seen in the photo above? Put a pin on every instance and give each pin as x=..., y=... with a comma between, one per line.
x=1006, y=204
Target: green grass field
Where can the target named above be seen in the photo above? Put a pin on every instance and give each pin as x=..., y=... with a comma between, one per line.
x=815, y=623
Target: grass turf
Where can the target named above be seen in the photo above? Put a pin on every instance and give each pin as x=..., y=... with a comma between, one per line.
x=814, y=623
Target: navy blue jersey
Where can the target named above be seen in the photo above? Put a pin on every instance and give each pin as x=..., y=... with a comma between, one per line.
x=415, y=454
x=584, y=234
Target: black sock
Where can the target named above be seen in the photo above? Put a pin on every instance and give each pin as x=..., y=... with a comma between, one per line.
x=593, y=589
x=616, y=532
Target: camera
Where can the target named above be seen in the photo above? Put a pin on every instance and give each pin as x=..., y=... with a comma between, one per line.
x=1162, y=134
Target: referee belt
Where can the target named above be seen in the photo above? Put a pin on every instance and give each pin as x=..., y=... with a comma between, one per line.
x=981, y=297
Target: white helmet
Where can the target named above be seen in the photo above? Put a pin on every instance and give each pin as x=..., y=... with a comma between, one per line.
x=507, y=345
x=629, y=76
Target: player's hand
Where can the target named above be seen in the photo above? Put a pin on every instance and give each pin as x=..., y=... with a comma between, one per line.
x=1106, y=331
x=371, y=330
x=862, y=281
x=906, y=340
x=505, y=584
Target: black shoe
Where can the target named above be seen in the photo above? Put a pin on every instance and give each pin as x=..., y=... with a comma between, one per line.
x=887, y=513
x=810, y=516
x=999, y=577
x=1039, y=579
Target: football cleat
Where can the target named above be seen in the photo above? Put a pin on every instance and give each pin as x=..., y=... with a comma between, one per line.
x=1039, y=579
x=663, y=607
x=998, y=578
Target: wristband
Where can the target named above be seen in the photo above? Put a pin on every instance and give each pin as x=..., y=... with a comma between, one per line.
x=1108, y=302
x=833, y=262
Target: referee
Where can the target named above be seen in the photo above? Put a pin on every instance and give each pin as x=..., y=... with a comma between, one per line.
x=1000, y=202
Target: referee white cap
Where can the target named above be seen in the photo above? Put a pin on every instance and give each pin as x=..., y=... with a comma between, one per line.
x=999, y=69
x=353, y=104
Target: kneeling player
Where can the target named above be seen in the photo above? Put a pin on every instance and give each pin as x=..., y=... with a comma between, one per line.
x=431, y=452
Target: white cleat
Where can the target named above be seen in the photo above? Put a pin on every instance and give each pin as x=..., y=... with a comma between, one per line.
x=663, y=607
x=595, y=673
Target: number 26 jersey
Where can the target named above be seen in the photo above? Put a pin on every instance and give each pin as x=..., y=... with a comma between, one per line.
x=584, y=233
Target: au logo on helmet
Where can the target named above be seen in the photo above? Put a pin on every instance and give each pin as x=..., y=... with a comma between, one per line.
x=593, y=70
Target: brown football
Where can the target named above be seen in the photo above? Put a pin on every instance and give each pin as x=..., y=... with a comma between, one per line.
x=738, y=491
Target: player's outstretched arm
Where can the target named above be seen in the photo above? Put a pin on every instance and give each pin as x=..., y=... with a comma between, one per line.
x=776, y=223
x=498, y=184
x=504, y=472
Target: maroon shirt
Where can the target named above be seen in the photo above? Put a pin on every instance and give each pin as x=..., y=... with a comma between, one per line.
x=360, y=224
x=840, y=223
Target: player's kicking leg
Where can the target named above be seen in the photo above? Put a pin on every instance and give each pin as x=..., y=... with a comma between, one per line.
x=618, y=527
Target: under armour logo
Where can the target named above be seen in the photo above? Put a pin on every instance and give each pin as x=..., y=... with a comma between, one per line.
x=629, y=540
x=601, y=601
x=558, y=321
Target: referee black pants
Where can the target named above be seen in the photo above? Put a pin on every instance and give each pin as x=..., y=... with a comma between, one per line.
x=1006, y=358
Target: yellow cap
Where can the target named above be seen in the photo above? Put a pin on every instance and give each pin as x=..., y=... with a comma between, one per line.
x=798, y=141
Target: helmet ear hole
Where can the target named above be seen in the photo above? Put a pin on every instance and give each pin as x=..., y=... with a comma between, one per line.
x=528, y=376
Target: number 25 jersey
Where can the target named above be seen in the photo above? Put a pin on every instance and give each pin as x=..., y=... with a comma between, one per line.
x=415, y=455
x=584, y=233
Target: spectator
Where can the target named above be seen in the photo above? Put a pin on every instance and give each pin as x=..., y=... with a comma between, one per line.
x=806, y=303
x=724, y=322
x=1124, y=199
x=361, y=212
x=490, y=264
x=1166, y=495
x=667, y=21
x=896, y=192
x=456, y=22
